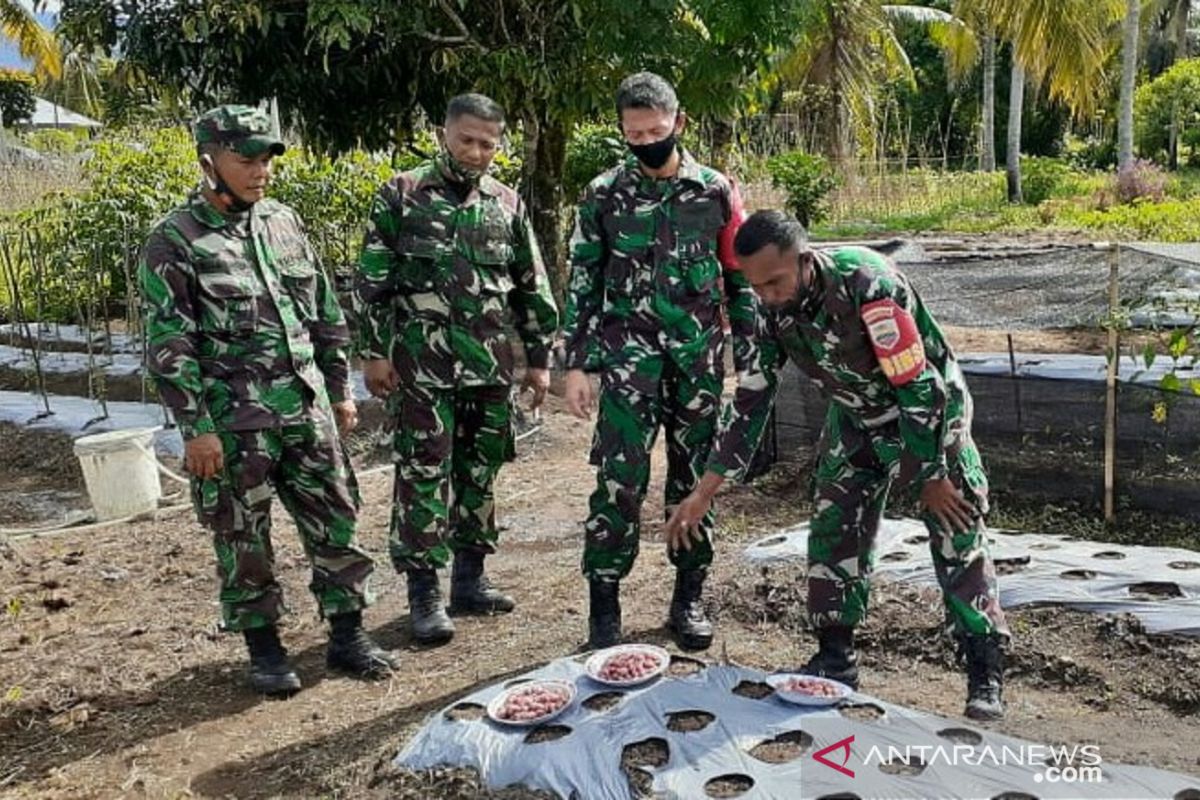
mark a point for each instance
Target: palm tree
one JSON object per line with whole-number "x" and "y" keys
{"x": 847, "y": 46}
{"x": 20, "y": 26}
{"x": 1061, "y": 44}
{"x": 80, "y": 85}
{"x": 1130, "y": 31}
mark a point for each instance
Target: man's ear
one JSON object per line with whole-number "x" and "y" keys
{"x": 681, "y": 121}
{"x": 208, "y": 168}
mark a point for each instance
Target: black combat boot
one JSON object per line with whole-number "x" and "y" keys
{"x": 984, "y": 657}
{"x": 604, "y": 615}
{"x": 470, "y": 590}
{"x": 835, "y": 658}
{"x": 352, "y": 651}
{"x": 270, "y": 672}
{"x": 688, "y": 621}
{"x": 430, "y": 624}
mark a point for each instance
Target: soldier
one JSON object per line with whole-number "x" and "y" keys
{"x": 651, "y": 251}
{"x": 449, "y": 253}
{"x": 248, "y": 348}
{"x": 899, "y": 413}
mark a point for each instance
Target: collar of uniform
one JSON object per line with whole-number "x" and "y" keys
{"x": 820, "y": 283}
{"x": 689, "y": 169}
{"x": 207, "y": 214}
{"x": 435, "y": 176}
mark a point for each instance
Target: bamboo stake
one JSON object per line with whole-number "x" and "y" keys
{"x": 1012, "y": 370}
{"x": 19, "y": 317}
{"x": 1110, "y": 410}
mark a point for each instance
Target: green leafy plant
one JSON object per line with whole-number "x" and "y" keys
{"x": 592, "y": 149}
{"x": 16, "y": 96}
{"x": 1042, "y": 178}
{"x": 807, "y": 179}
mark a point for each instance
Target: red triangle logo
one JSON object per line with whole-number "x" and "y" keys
{"x": 844, "y": 745}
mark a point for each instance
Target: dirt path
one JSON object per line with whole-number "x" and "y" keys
{"x": 115, "y": 683}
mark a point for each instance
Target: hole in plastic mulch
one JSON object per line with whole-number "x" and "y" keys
{"x": 465, "y": 712}
{"x": 728, "y": 786}
{"x": 689, "y": 721}
{"x": 546, "y": 733}
{"x": 783, "y": 748}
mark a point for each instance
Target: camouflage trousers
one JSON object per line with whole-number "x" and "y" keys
{"x": 852, "y": 479}
{"x": 304, "y": 466}
{"x": 448, "y": 448}
{"x": 634, "y": 401}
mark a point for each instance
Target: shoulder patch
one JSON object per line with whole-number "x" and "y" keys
{"x": 895, "y": 339}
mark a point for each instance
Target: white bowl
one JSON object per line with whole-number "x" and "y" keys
{"x": 598, "y": 659}
{"x": 497, "y": 702}
{"x": 802, "y": 699}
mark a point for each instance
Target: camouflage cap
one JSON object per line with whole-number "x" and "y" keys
{"x": 244, "y": 129}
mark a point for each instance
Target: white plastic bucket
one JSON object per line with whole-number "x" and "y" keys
{"x": 120, "y": 471}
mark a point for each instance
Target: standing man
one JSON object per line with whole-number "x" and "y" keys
{"x": 899, "y": 412}
{"x": 652, "y": 245}
{"x": 449, "y": 257}
{"x": 247, "y": 346}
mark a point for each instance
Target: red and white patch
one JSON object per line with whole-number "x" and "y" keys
{"x": 737, "y": 215}
{"x": 895, "y": 339}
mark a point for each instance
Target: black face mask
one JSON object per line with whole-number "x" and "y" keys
{"x": 655, "y": 154}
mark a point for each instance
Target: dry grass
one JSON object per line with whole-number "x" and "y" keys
{"x": 23, "y": 185}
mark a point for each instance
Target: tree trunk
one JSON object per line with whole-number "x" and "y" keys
{"x": 545, "y": 155}
{"x": 1173, "y": 141}
{"x": 722, "y": 143}
{"x": 1129, "y": 54}
{"x": 1016, "y": 102}
{"x": 987, "y": 148}
{"x": 1178, "y": 52}
{"x": 837, "y": 123}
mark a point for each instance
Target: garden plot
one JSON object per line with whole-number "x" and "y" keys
{"x": 69, "y": 338}
{"x": 719, "y": 731}
{"x": 1015, "y": 286}
{"x": 79, "y": 416}
{"x": 1071, "y": 367}
{"x": 1159, "y": 585}
{"x": 115, "y": 377}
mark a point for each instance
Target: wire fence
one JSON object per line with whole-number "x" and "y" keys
{"x": 1107, "y": 433}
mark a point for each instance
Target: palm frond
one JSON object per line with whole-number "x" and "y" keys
{"x": 20, "y": 26}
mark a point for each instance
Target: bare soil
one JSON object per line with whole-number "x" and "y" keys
{"x": 39, "y": 475}
{"x": 115, "y": 682}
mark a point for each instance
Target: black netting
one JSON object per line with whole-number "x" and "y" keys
{"x": 1043, "y": 438}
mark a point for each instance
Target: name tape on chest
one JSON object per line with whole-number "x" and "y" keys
{"x": 895, "y": 339}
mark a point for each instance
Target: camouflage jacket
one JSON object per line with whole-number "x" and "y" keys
{"x": 243, "y": 329}
{"x": 865, "y": 337}
{"x": 439, "y": 276}
{"x": 648, "y": 260}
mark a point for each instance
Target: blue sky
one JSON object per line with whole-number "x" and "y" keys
{"x": 9, "y": 57}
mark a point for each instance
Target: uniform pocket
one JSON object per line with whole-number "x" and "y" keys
{"x": 700, "y": 274}
{"x": 299, "y": 277}
{"x": 417, "y": 266}
{"x": 227, "y": 304}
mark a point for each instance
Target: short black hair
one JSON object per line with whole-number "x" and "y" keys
{"x": 475, "y": 105}
{"x": 646, "y": 90}
{"x": 769, "y": 227}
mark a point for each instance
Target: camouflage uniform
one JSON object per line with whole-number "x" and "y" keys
{"x": 648, "y": 260}
{"x": 246, "y": 340}
{"x": 900, "y": 413}
{"x": 438, "y": 276}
